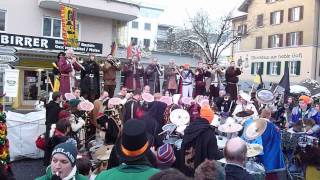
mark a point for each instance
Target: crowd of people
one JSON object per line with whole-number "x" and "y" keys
{"x": 200, "y": 127}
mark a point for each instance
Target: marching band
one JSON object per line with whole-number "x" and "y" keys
{"x": 267, "y": 128}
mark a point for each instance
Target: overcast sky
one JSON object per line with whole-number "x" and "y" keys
{"x": 176, "y": 11}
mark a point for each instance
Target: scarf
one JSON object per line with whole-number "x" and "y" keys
{"x": 72, "y": 175}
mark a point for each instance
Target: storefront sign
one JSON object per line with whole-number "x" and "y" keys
{"x": 5, "y": 58}
{"x": 11, "y": 77}
{"x": 7, "y": 50}
{"x": 47, "y": 43}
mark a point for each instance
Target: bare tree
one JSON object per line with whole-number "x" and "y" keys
{"x": 203, "y": 37}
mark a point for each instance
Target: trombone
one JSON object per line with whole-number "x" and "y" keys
{"x": 159, "y": 68}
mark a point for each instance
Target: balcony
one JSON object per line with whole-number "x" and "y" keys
{"x": 111, "y": 9}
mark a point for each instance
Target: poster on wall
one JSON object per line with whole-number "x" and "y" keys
{"x": 11, "y": 77}
{"x": 69, "y": 26}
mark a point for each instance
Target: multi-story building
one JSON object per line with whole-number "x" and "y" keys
{"x": 143, "y": 30}
{"x": 33, "y": 27}
{"x": 278, "y": 33}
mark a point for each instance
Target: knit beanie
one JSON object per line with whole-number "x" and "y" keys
{"x": 68, "y": 149}
{"x": 165, "y": 155}
{"x": 207, "y": 113}
{"x": 74, "y": 102}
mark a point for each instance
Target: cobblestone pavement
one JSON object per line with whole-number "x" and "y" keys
{"x": 28, "y": 169}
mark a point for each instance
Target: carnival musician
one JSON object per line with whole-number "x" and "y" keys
{"x": 133, "y": 71}
{"x": 215, "y": 83}
{"x": 187, "y": 76}
{"x": 67, "y": 66}
{"x": 199, "y": 80}
{"x": 109, "y": 69}
{"x": 132, "y": 108}
{"x": 90, "y": 79}
{"x": 225, "y": 106}
{"x": 245, "y": 104}
{"x": 305, "y": 111}
{"x": 232, "y": 79}
{"x": 99, "y": 108}
{"x": 170, "y": 78}
{"x": 152, "y": 74}
{"x": 77, "y": 121}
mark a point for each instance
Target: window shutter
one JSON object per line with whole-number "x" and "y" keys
{"x": 298, "y": 68}
{"x": 301, "y": 12}
{"x": 271, "y": 18}
{"x": 245, "y": 29}
{"x": 280, "y": 40}
{"x": 268, "y": 68}
{"x": 269, "y": 41}
{"x": 278, "y": 67}
{"x": 288, "y": 39}
{"x": 286, "y": 65}
{"x": 252, "y": 68}
{"x": 281, "y": 16}
{"x": 239, "y": 30}
{"x": 261, "y": 68}
{"x": 300, "y": 38}
{"x": 290, "y": 15}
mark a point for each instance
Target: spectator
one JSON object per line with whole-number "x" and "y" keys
{"x": 235, "y": 153}
{"x": 209, "y": 170}
{"x": 169, "y": 174}
{"x": 84, "y": 166}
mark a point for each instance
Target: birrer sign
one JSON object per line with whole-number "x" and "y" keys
{"x": 46, "y": 43}
{"x": 7, "y": 50}
{"x": 8, "y": 58}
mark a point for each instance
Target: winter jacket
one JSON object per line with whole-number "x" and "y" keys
{"x": 48, "y": 175}
{"x": 234, "y": 172}
{"x": 128, "y": 172}
{"x": 52, "y": 112}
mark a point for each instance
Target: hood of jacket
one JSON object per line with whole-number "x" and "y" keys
{"x": 195, "y": 128}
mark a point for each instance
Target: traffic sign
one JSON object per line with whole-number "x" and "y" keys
{"x": 7, "y": 50}
{"x": 5, "y": 58}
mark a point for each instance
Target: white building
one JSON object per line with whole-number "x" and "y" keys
{"x": 143, "y": 30}
{"x": 33, "y": 27}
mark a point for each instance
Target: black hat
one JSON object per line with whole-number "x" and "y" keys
{"x": 134, "y": 140}
{"x": 244, "y": 113}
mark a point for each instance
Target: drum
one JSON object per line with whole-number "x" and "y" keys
{"x": 221, "y": 141}
{"x": 171, "y": 140}
{"x": 290, "y": 140}
{"x": 265, "y": 96}
{"x": 308, "y": 141}
{"x": 256, "y": 170}
{"x": 178, "y": 144}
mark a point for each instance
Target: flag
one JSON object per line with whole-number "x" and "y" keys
{"x": 69, "y": 26}
{"x": 114, "y": 48}
{"x": 129, "y": 51}
{"x": 258, "y": 78}
{"x": 285, "y": 82}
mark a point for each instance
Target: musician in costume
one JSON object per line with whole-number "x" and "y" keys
{"x": 232, "y": 79}
{"x": 226, "y": 105}
{"x": 170, "y": 76}
{"x": 109, "y": 69}
{"x": 56, "y": 73}
{"x": 175, "y": 105}
{"x": 245, "y": 104}
{"x": 199, "y": 142}
{"x": 133, "y": 71}
{"x": 152, "y": 73}
{"x": 199, "y": 80}
{"x": 90, "y": 79}
{"x": 187, "y": 77}
{"x": 132, "y": 108}
{"x": 99, "y": 108}
{"x": 67, "y": 66}
{"x": 215, "y": 80}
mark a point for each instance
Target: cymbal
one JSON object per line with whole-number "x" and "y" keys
{"x": 114, "y": 101}
{"x": 179, "y": 117}
{"x": 147, "y": 97}
{"x": 256, "y": 128}
{"x": 230, "y": 127}
{"x": 254, "y": 150}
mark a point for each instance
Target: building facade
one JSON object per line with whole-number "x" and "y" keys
{"x": 143, "y": 30}
{"x": 275, "y": 34}
{"x": 34, "y": 28}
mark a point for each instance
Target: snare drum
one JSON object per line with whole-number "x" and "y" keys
{"x": 290, "y": 140}
{"x": 178, "y": 144}
{"x": 308, "y": 141}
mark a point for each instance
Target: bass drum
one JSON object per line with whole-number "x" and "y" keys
{"x": 265, "y": 96}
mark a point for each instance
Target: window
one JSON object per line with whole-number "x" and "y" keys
{"x": 294, "y": 67}
{"x": 259, "y": 42}
{"x": 271, "y": 1}
{"x": 146, "y": 43}
{"x": 260, "y": 20}
{"x": 276, "y": 17}
{"x": 2, "y": 20}
{"x": 275, "y": 41}
{"x": 242, "y": 29}
{"x": 237, "y": 45}
{"x": 256, "y": 67}
{"x": 147, "y": 26}
{"x": 273, "y": 68}
{"x": 135, "y": 25}
{"x": 295, "y": 14}
{"x": 294, "y": 38}
{"x": 134, "y": 40}
{"x": 51, "y": 27}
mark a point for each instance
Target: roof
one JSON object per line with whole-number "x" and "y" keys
{"x": 244, "y": 6}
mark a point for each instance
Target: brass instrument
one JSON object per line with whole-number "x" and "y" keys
{"x": 114, "y": 62}
{"x": 160, "y": 69}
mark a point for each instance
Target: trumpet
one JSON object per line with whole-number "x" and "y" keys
{"x": 115, "y": 62}
{"x": 159, "y": 68}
